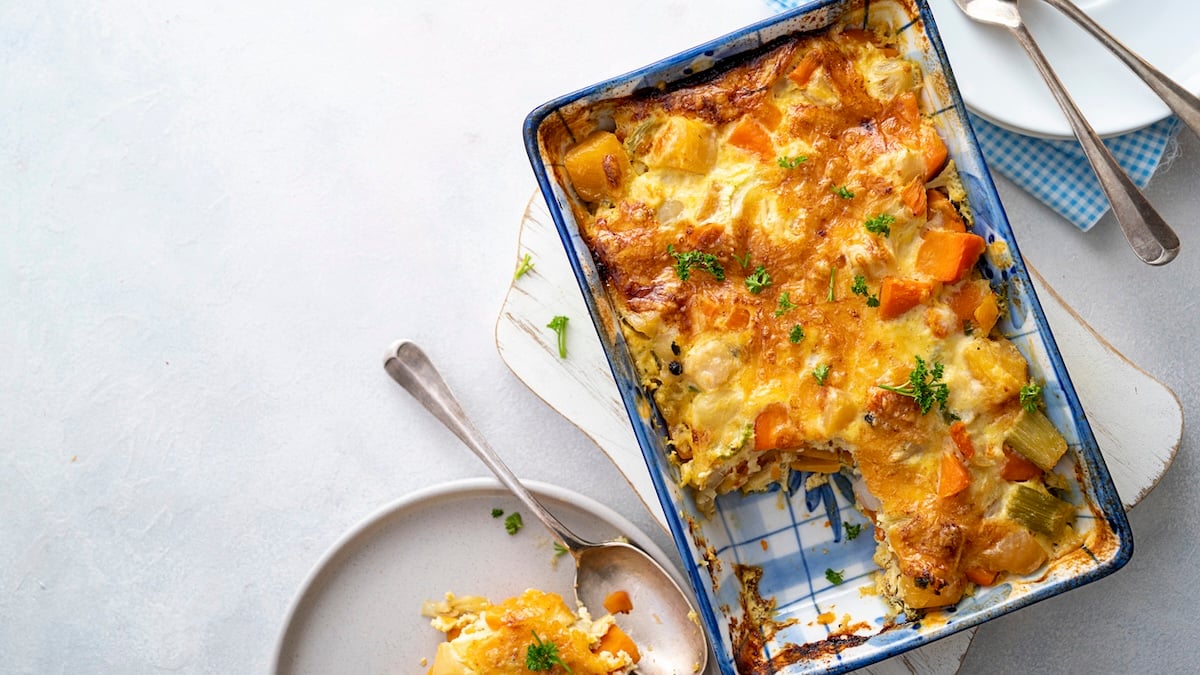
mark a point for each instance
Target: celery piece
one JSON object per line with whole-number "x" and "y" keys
{"x": 1035, "y": 437}
{"x": 1037, "y": 511}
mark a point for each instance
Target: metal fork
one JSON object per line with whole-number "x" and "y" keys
{"x": 1152, "y": 239}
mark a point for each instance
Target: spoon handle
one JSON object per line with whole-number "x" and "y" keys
{"x": 1151, "y": 238}
{"x": 411, "y": 368}
{"x": 1182, "y": 102}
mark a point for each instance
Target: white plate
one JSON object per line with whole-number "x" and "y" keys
{"x": 359, "y": 609}
{"x": 999, "y": 82}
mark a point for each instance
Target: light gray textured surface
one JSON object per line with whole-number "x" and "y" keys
{"x": 215, "y": 218}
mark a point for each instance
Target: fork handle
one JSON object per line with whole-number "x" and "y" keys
{"x": 1152, "y": 239}
{"x": 1182, "y": 102}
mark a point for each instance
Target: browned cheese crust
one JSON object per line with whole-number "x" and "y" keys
{"x": 784, "y": 238}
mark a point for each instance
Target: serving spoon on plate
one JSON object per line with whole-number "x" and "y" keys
{"x": 663, "y": 619}
{"x": 1150, "y": 237}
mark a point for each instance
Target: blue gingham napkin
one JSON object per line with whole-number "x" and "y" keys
{"x": 1056, "y": 172}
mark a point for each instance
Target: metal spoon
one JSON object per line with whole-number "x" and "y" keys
{"x": 663, "y": 620}
{"x": 1182, "y": 102}
{"x": 1151, "y": 238}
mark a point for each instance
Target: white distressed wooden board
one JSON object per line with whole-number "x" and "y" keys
{"x": 1138, "y": 421}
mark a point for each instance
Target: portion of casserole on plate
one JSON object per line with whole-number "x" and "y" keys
{"x": 533, "y": 631}
{"x": 792, "y": 262}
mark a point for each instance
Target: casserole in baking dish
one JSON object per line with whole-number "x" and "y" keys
{"x": 807, "y": 288}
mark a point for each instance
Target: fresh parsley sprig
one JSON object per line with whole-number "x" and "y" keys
{"x": 543, "y": 655}
{"x": 842, "y": 191}
{"x": 686, "y": 260}
{"x": 758, "y": 280}
{"x": 796, "y": 334}
{"x": 785, "y": 303}
{"x": 925, "y": 386}
{"x": 880, "y": 224}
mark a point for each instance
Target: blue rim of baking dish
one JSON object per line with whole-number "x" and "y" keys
{"x": 983, "y": 198}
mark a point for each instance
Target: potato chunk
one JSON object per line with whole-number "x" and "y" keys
{"x": 999, "y": 367}
{"x": 598, "y": 167}
{"x": 683, "y": 143}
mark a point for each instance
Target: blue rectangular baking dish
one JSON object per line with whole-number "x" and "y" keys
{"x": 787, "y": 535}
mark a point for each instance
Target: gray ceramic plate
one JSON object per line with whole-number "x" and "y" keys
{"x": 359, "y": 609}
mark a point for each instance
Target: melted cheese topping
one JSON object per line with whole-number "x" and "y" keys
{"x": 775, "y": 255}
{"x": 486, "y": 639}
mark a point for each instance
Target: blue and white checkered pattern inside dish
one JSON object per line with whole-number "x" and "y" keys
{"x": 796, "y": 536}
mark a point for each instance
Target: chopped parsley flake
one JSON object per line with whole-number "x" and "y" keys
{"x": 834, "y": 576}
{"x": 796, "y": 334}
{"x": 758, "y": 280}
{"x": 524, "y": 266}
{"x": 1031, "y": 394}
{"x": 821, "y": 372}
{"x": 559, "y": 325}
{"x": 513, "y": 523}
{"x": 852, "y": 530}
{"x": 842, "y": 191}
{"x": 684, "y": 262}
{"x": 496, "y": 513}
{"x": 860, "y": 288}
{"x": 785, "y": 303}
{"x": 880, "y": 224}
{"x": 791, "y": 162}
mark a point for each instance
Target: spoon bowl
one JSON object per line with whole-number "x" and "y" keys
{"x": 618, "y": 565}
{"x": 663, "y": 621}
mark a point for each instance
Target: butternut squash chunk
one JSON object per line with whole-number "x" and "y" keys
{"x": 947, "y": 256}
{"x": 598, "y": 167}
{"x": 750, "y": 136}
{"x": 897, "y": 296}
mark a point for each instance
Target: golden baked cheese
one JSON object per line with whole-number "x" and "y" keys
{"x": 790, "y": 257}
{"x": 524, "y": 632}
